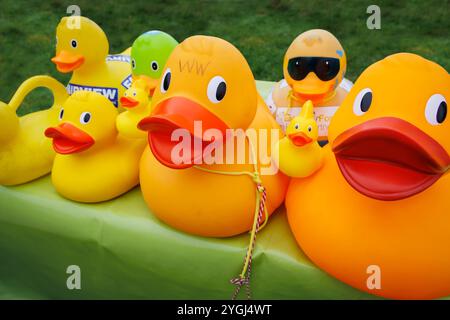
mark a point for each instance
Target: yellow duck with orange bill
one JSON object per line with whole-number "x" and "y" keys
{"x": 299, "y": 154}
{"x": 25, "y": 154}
{"x": 189, "y": 173}
{"x": 137, "y": 105}
{"x": 93, "y": 163}
{"x": 82, "y": 48}
{"x": 377, "y": 214}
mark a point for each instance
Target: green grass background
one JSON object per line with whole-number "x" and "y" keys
{"x": 261, "y": 29}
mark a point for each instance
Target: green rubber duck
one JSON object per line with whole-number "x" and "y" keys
{"x": 149, "y": 54}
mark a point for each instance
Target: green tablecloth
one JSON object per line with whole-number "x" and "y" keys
{"x": 125, "y": 252}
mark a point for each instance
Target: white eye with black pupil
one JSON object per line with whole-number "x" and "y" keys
{"x": 217, "y": 88}
{"x": 154, "y": 65}
{"x": 362, "y": 102}
{"x": 73, "y": 43}
{"x": 61, "y": 114}
{"x": 436, "y": 109}
{"x": 165, "y": 83}
{"x": 85, "y": 117}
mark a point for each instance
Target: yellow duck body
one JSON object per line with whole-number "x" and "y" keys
{"x": 137, "y": 104}
{"x": 299, "y": 155}
{"x": 25, "y": 154}
{"x": 84, "y": 51}
{"x": 216, "y": 202}
{"x": 93, "y": 163}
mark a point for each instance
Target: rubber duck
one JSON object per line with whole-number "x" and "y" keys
{"x": 376, "y": 216}
{"x": 314, "y": 67}
{"x": 149, "y": 54}
{"x": 202, "y": 85}
{"x": 83, "y": 50}
{"x": 25, "y": 154}
{"x": 93, "y": 163}
{"x": 137, "y": 104}
{"x": 299, "y": 154}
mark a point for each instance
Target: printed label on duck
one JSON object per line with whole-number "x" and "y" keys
{"x": 126, "y": 83}
{"x": 111, "y": 93}
{"x": 119, "y": 57}
{"x": 322, "y": 116}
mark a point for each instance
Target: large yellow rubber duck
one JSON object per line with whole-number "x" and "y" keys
{"x": 93, "y": 163}
{"x": 314, "y": 67}
{"x": 25, "y": 154}
{"x": 377, "y": 215}
{"x": 82, "y": 48}
{"x": 207, "y": 87}
{"x": 137, "y": 104}
{"x": 299, "y": 154}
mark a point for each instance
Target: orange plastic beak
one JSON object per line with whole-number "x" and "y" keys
{"x": 67, "y": 62}
{"x": 300, "y": 139}
{"x": 69, "y": 139}
{"x": 128, "y": 102}
{"x": 179, "y": 113}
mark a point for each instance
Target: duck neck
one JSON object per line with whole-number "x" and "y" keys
{"x": 87, "y": 70}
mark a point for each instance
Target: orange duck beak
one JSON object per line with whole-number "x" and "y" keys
{"x": 67, "y": 62}
{"x": 389, "y": 158}
{"x": 179, "y": 113}
{"x": 68, "y": 139}
{"x": 128, "y": 102}
{"x": 299, "y": 139}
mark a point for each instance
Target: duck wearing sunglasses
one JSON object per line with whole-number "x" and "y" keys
{"x": 314, "y": 68}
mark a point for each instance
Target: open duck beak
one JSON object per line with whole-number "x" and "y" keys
{"x": 128, "y": 102}
{"x": 68, "y": 139}
{"x": 299, "y": 139}
{"x": 179, "y": 113}
{"x": 389, "y": 158}
{"x": 67, "y": 62}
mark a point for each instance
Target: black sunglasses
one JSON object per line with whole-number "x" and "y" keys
{"x": 325, "y": 68}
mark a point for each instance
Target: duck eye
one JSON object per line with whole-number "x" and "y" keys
{"x": 362, "y": 102}
{"x": 436, "y": 109}
{"x": 134, "y": 94}
{"x": 61, "y": 114}
{"x": 296, "y": 126}
{"x": 85, "y": 117}
{"x": 309, "y": 128}
{"x": 165, "y": 83}
{"x": 217, "y": 88}
{"x": 74, "y": 43}
{"x": 133, "y": 63}
{"x": 154, "y": 65}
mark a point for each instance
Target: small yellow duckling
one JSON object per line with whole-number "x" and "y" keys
{"x": 93, "y": 163}
{"x": 299, "y": 154}
{"x": 137, "y": 103}
{"x": 25, "y": 154}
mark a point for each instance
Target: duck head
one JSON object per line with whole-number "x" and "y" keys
{"x": 149, "y": 55}
{"x": 391, "y": 136}
{"x": 79, "y": 47}
{"x": 136, "y": 97}
{"x": 303, "y": 130}
{"x": 87, "y": 121}
{"x": 9, "y": 123}
{"x": 314, "y": 65}
{"x": 206, "y": 81}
